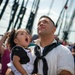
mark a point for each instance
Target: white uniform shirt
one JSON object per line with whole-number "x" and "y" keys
{"x": 58, "y": 59}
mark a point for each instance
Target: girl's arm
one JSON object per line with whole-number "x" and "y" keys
{"x": 2, "y": 49}
{"x": 18, "y": 66}
{"x": 9, "y": 72}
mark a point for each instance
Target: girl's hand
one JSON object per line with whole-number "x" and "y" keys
{"x": 7, "y": 34}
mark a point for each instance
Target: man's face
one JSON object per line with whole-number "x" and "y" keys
{"x": 45, "y": 26}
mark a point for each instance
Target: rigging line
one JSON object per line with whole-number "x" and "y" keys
{"x": 71, "y": 21}
{"x": 4, "y": 8}
{"x": 21, "y": 11}
{"x": 21, "y": 18}
{"x": 67, "y": 31}
{"x": 18, "y": 16}
{"x": 26, "y": 3}
{"x": 1, "y": 2}
{"x": 13, "y": 13}
{"x": 50, "y": 7}
{"x": 61, "y": 13}
{"x": 61, "y": 22}
{"x": 36, "y": 6}
{"x": 32, "y": 16}
{"x": 22, "y": 14}
{"x": 69, "y": 9}
{"x": 59, "y": 18}
{"x": 67, "y": 28}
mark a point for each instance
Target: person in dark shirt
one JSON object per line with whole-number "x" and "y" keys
{"x": 5, "y": 52}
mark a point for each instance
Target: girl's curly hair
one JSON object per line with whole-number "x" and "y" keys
{"x": 11, "y": 38}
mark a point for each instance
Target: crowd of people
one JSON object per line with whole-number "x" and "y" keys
{"x": 43, "y": 54}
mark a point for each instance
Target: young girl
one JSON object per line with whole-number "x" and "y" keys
{"x": 21, "y": 58}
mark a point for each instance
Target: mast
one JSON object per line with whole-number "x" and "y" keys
{"x": 13, "y": 13}
{"x": 1, "y": 2}
{"x": 67, "y": 31}
{"x": 4, "y": 7}
{"x": 59, "y": 22}
{"x": 21, "y": 14}
{"x": 50, "y": 7}
{"x": 68, "y": 23}
{"x": 32, "y": 15}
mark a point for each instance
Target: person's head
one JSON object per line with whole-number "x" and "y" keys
{"x": 73, "y": 49}
{"x": 34, "y": 37}
{"x": 19, "y": 37}
{"x": 46, "y": 26}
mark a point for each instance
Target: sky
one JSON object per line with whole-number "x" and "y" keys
{"x": 44, "y": 7}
